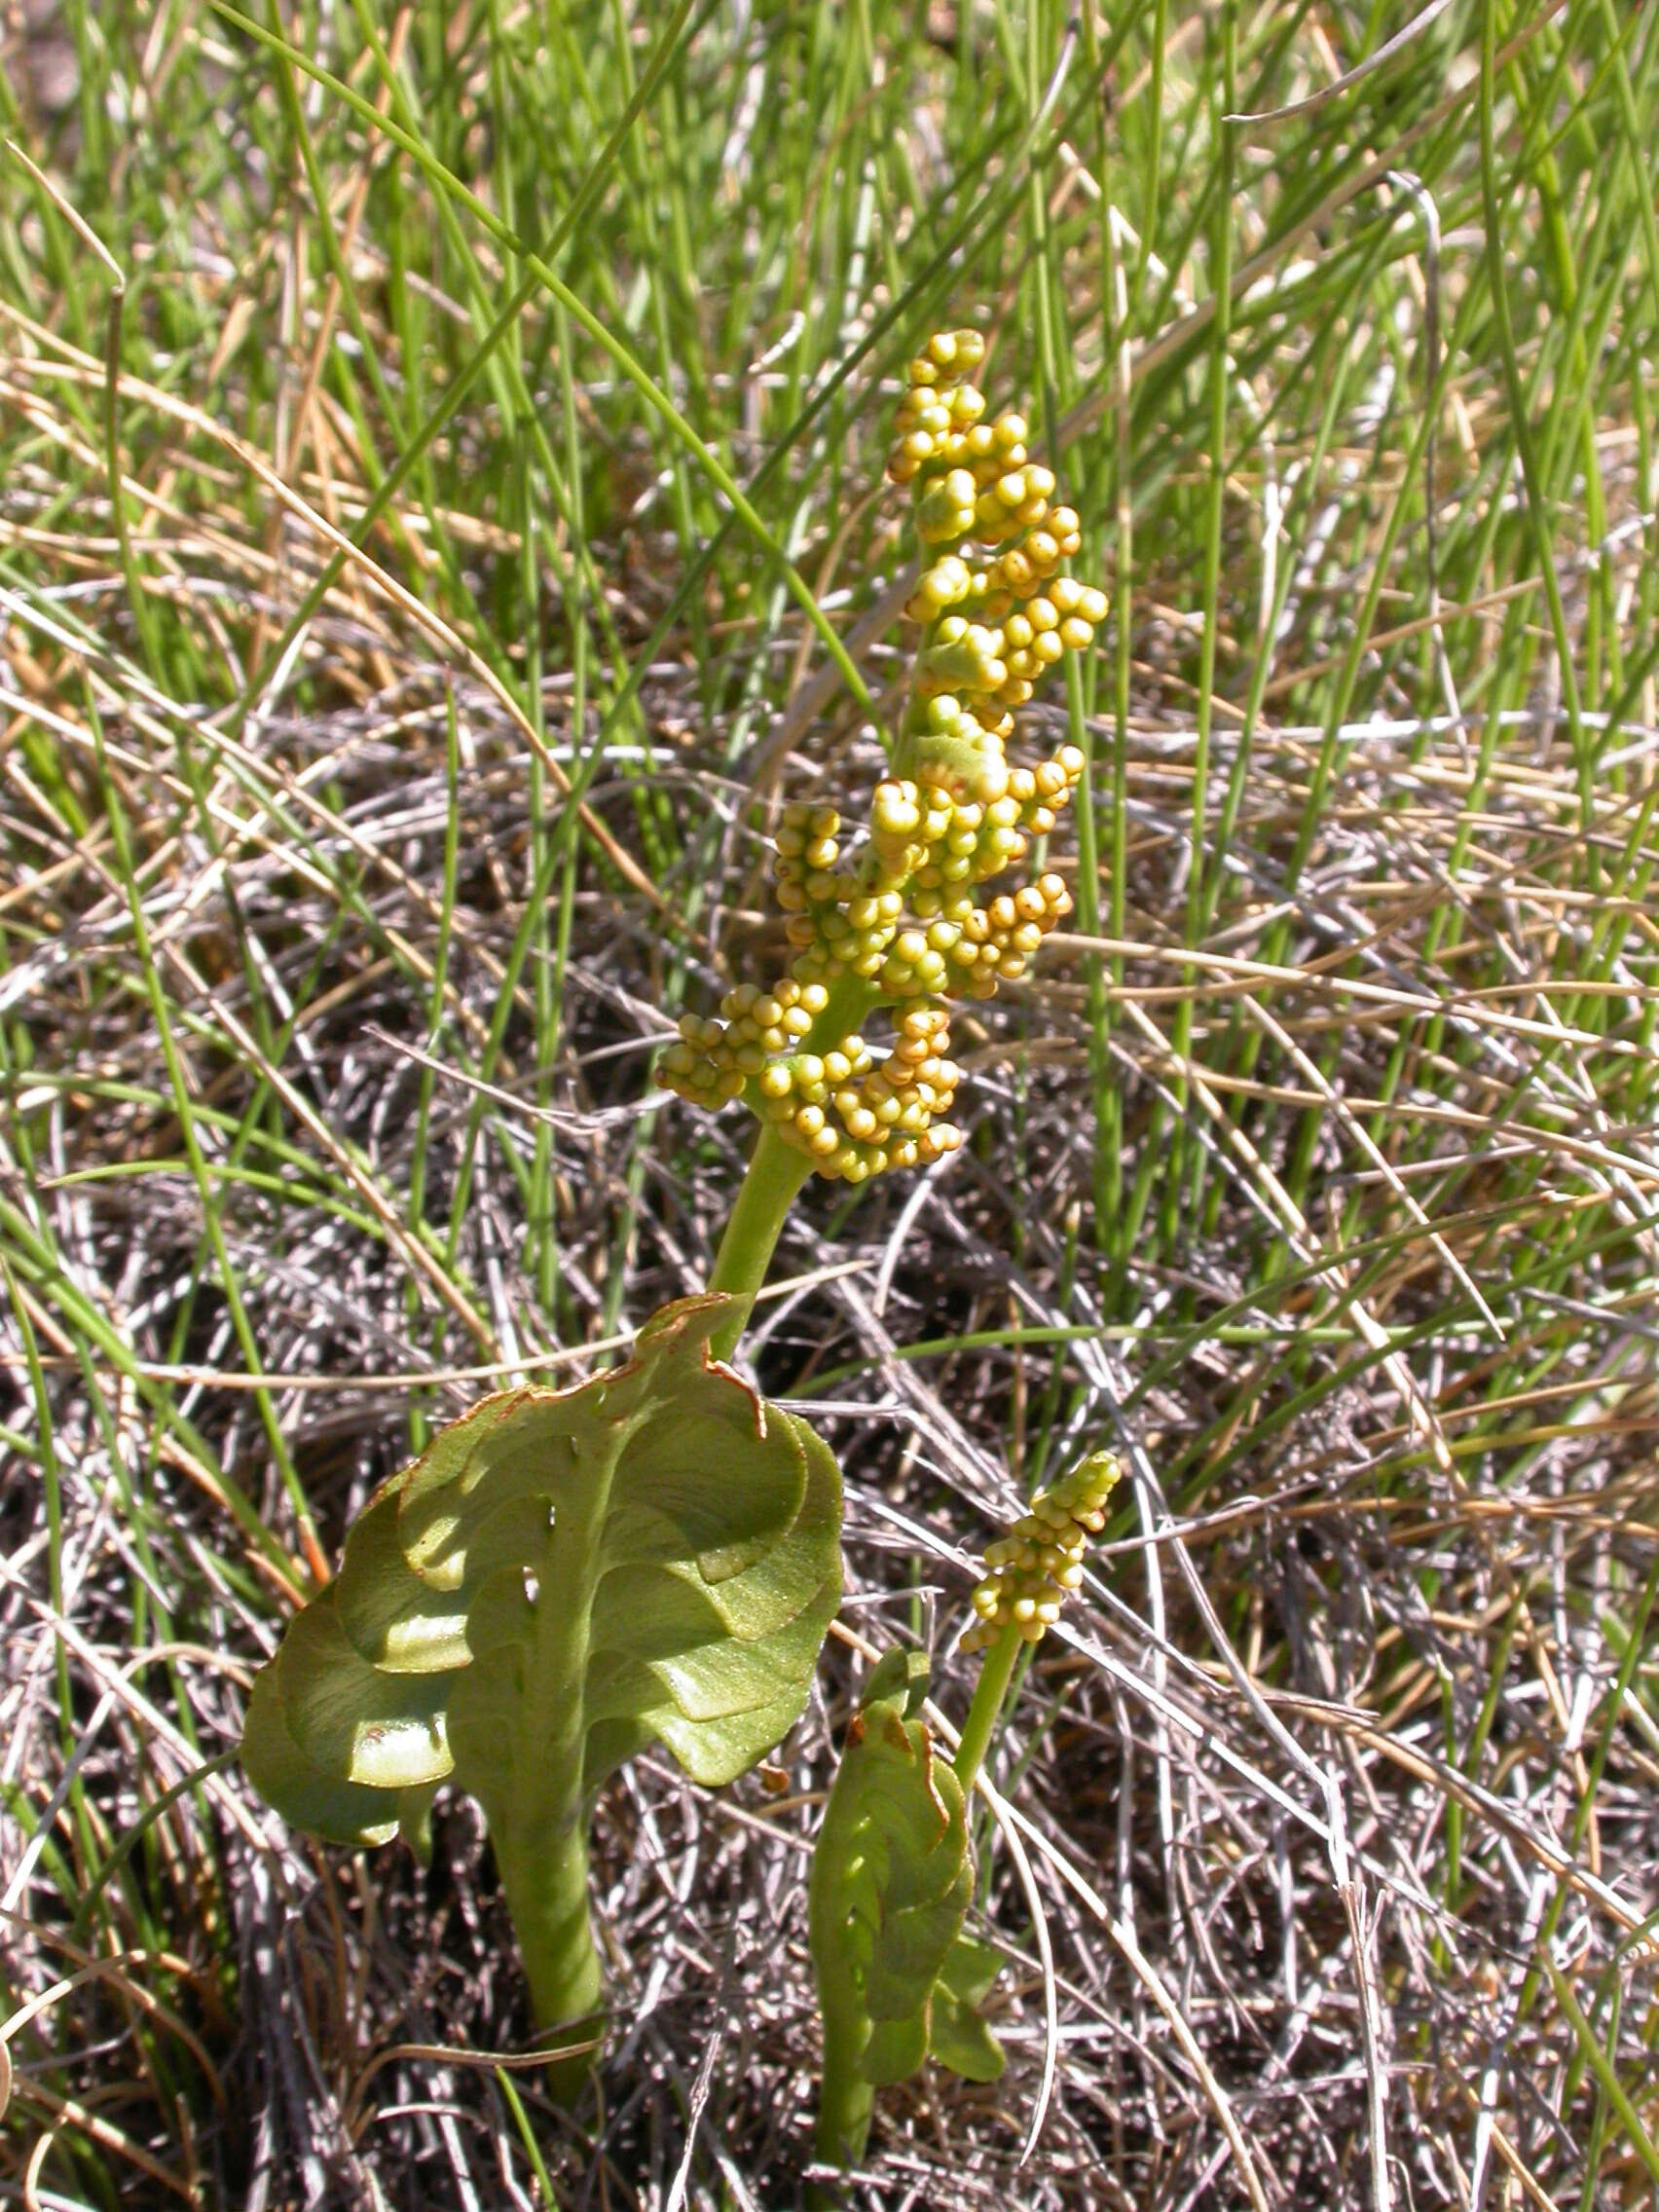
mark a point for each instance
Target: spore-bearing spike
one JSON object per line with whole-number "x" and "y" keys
{"x": 901, "y": 914}
{"x": 1031, "y": 1573}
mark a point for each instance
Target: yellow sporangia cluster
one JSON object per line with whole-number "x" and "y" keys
{"x": 902, "y": 925}
{"x": 1029, "y": 1571}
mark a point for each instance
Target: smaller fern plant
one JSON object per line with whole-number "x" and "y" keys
{"x": 899, "y": 1980}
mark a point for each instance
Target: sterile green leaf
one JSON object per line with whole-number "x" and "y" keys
{"x": 891, "y": 1880}
{"x": 563, "y": 1577}
{"x": 957, "y": 2036}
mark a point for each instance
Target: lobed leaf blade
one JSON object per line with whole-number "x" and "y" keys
{"x": 562, "y": 1579}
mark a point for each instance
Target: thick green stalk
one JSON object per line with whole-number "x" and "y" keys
{"x": 541, "y": 1848}
{"x": 547, "y": 1897}
{"x": 996, "y": 1672}
{"x": 776, "y": 1173}
{"x": 846, "y": 2102}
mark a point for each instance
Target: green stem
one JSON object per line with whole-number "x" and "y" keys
{"x": 547, "y": 1897}
{"x": 845, "y": 2104}
{"x": 776, "y": 1173}
{"x": 996, "y": 1671}
{"x": 539, "y": 1828}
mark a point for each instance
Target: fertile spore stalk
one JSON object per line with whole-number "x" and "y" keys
{"x": 893, "y": 931}
{"x": 1029, "y": 1574}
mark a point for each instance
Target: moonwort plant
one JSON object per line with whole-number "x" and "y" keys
{"x": 564, "y": 1577}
